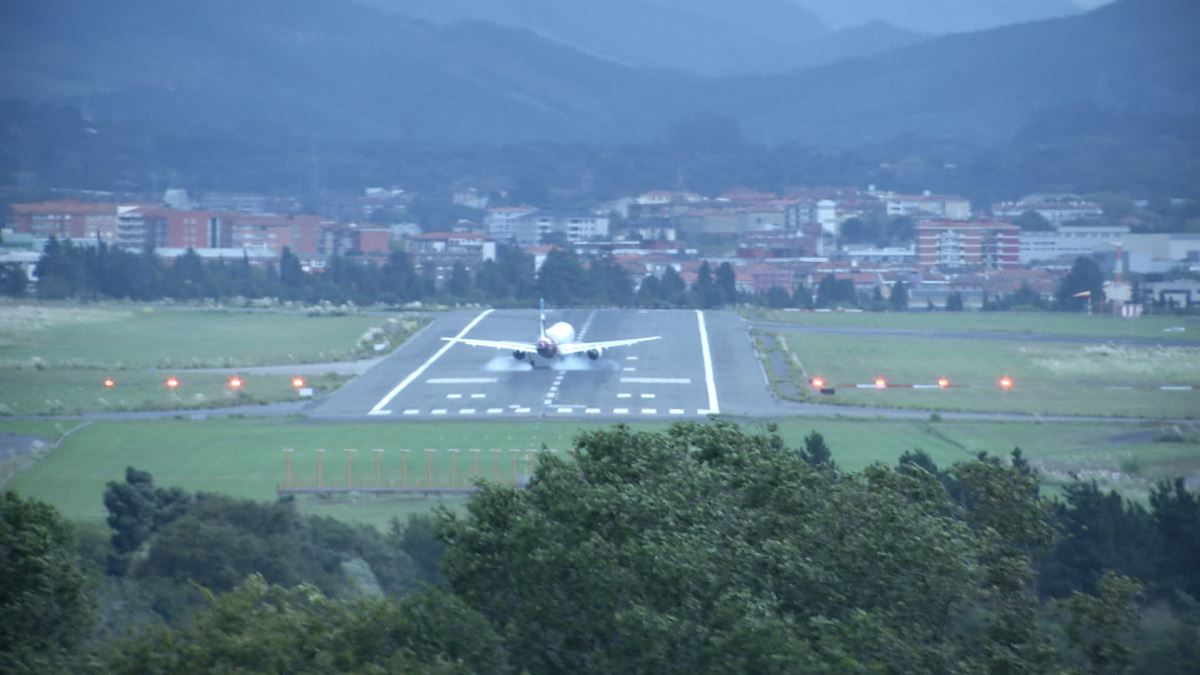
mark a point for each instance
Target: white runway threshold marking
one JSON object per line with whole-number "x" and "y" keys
{"x": 713, "y": 408}
{"x": 656, "y": 380}
{"x": 383, "y": 402}
{"x": 462, "y": 380}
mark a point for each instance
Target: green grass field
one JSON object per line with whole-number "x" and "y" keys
{"x": 245, "y": 457}
{"x": 1049, "y": 378}
{"x": 1042, "y": 323}
{"x": 53, "y": 357}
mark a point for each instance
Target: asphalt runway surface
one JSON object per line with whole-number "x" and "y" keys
{"x": 704, "y": 364}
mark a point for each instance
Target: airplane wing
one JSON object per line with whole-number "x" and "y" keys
{"x": 497, "y": 344}
{"x": 577, "y": 347}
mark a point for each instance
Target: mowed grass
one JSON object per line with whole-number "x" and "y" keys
{"x": 1041, "y": 323}
{"x": 1050, "y": 378}
{"x": 68, "y": 392}
{"x": 117, "y": 337}
{"x": 54, "y": 357}
{"x": 246, "y": 458}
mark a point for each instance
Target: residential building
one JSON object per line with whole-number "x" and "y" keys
{"x": 435, "y": 253}
{"x": 66, "y": 219}
{"x": 503, "y": 223}
{"x": 532, "y": 228}
{"x": 966, "y": 245}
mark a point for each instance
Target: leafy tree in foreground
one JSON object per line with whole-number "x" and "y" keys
{"x": 706, "y": 549}
{"x": 1085, "y": 277}
{"x": 45, "y": 606}
{"x": 268, "y": 629}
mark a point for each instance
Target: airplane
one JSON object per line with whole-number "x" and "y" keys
{"x": 556, "y": 341}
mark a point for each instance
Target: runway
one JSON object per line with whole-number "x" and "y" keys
{"x": 703, "y": 365}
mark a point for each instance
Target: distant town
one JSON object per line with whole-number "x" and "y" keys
{"x": 941, "y": 249}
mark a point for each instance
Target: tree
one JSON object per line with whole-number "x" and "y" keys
{"x": 136, "y": 509}
{"x": 260, "y": 627}
{"x": 705, "y": 289}
{"x": 815, "y": 451}
{"x": 561, "y": 279}
{"x": 1085, "y": 277}
{"x": 46, "y": 608}
{"x": 706, "y": 549}
{"x": 418, "y": 538}
{"x": 1102, "y": 626}
{"x": 459, "y": 284}
{"x": 674, "y": 290}
{"x": 291, "y": 275}
{"x": 954, "y": 302}
{"x": 726, "y": 284}
{"x": 1177, "y": 517}
{"x": 1032, "y": 221}
{"x": 899, "y": 297}
{"x": 13, "y": 280}
{"x": 777, "y": 298}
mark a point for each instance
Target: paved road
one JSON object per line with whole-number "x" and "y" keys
{"x": 1004, "y": 336}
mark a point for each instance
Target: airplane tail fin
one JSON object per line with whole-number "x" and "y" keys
{"x": 542, "y": 316}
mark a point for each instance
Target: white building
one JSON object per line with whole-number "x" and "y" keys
{"x": 944, "y": 206}
{"x": 1057, "y": 209}
{"x": 1071, "y": 240}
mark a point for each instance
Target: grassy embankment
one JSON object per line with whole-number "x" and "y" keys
{"x": 245, "y": 458}
{"x": 54, "y": 357}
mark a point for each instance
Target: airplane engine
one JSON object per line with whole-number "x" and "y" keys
{"x": 593, "y": 354}
{"x": 519, "y": 355}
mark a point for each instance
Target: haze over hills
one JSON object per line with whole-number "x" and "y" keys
{"x": 713, "y": 37}
{"x": 943, "y": 16}
{"x": 337, "y": 70}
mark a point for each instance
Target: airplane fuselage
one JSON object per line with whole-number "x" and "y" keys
{"x": 560, "y": 333}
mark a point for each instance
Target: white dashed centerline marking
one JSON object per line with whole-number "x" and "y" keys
{"x": 676, "y": 411}
{"x": 438, "y": 411}
{"x": 411, "y": 411}
{"x": 647, "y": 395}
{"x": 495, "y": 411}
{"x": 467, "y": 411}
{"x": 624, "y": 395}
{"x": 478, "y": 395}
{"x": 453, "y": 395}
{"x": 592, "y": 411}
{"x": 620, "y": 411}
{"x": 649, "y": 411}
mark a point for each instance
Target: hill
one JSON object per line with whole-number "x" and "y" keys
{"x": 318, "y": 71}
{"x": 1132, "y": 57}
{"x": 318, "y": 67}
{"x": 714, "y": 37}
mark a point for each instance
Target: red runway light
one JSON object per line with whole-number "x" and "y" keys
{"x": 172, "y": 383}
{"x": 298, "y": 382}
{"x": 109, "y": 383}
{"x": 880, "y": 383}
{"x": 944, "y": 382}
{"x": 1006, "y": 382}
{"x": 235, "y": 382}
{"x": 818, "y": 382}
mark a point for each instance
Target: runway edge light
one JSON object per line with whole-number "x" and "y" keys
{"x": 1006, "y": 382}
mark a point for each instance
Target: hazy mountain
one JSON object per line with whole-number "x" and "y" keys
{"x": 1135, "y": 57}
{"x": 336, "y": 70}
{"x": 939, "y": 16}
{"x": 331, "y": 69}
{"x": 713, "y": 37}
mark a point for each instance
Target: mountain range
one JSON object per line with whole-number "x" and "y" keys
{"x": 329, "y": 70}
